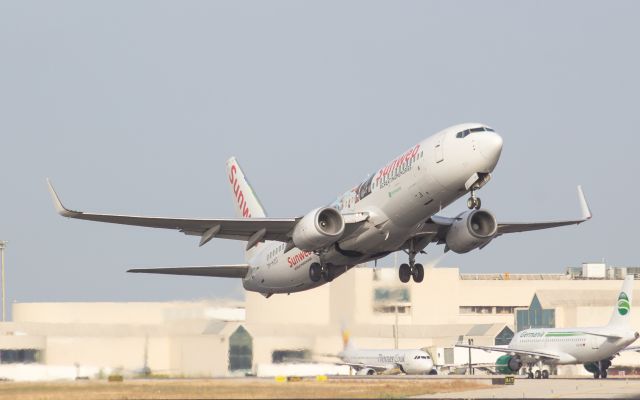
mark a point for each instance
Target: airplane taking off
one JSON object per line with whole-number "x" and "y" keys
{"x": 385, "y": 361}
{"x": 593, "y": 347}
{"x": 394, "y": 209}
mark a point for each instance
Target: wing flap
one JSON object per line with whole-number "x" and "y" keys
{"x": 219, "y": 271}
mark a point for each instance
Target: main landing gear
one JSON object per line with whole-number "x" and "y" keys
{"x": 539, "y": 373}
{"x": 473, "y": 201}
{"x": 407, "y": 271}
{"x": 319, "y": 271}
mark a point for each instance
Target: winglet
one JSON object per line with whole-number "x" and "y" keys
{"x": 584, "y": 206}
{"x": 60, "y": 209}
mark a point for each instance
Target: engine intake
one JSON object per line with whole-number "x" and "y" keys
{"x": 508, "y": 364}
{"x": 318, "y": 229}
{"x": 471, "y": 230}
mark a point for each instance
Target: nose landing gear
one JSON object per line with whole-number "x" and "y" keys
{"x": 473, "y": 201}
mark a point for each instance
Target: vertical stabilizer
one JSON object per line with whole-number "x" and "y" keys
{"x": 245, "y": 201}
{"x": 346, "y": 340}
{"x": 622, "y": 311}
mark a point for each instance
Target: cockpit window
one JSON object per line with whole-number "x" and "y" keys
{"x": 462, "y": 134}
{"x": 465, "y": 133}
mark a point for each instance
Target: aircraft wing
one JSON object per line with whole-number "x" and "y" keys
{"x": 604, "y": 335}
{"x": 513, "y": 227}
{"x": 631, "y": 348}
{"x": 221, "y": 271}
{"x": 377, "y": 368}
{"x": 529, "y": 353}
{"x": 252, "y": 230}
{"x": 438, "y": 226}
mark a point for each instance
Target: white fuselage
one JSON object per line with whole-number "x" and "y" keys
{"x": 573, "y": 345}
{"x": 412, "y": 362}
{"x": 398, "y": 198}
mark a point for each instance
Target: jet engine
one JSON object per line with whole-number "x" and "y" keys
{"x": 471, "y": 230}
{"x": 366, "y": 371}
{"x": 508, "y": 364}
{"x": 318, "y": 229}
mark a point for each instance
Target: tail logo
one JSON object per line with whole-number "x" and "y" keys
{"x": 238, "y": 194}
{"x": 623, "y": 304}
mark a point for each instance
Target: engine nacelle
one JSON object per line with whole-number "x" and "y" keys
{"x": 318, "y": 229}
{"x": 471, "y": 230}
{"x": 594, "y": 367}
{"x": 508, "y": 364}
{"x": 366, "y": 371}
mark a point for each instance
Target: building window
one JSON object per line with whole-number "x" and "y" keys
{"x": 535, "y": 316}
{"x": 21, "y": 356}
{"x": 475, "y": 309}
{"x": 389, "y": 300}
{"x": 391, "y": 294}
{"x": 240, "y": 350}
{"x": 391, "y": 309}
{"x": 504, "y": 337}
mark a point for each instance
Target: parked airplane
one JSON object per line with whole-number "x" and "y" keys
{"x": 593, "y": 347}
{"x": 385, "y": 361}
{"x": 395, "y": 209}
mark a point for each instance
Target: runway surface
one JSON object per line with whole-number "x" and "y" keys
{"x": 555, "y": 388}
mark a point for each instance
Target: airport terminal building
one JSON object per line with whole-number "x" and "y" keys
{"x": 259, "y": 335}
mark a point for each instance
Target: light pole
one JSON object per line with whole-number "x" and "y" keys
{"x": 3, "y": 245}
{"x": 470, "y": 365}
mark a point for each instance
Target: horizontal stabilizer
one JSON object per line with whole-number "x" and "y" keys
{"x": 220, "y": 271}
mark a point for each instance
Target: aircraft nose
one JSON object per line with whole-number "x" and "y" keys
{"x": 491, "y": 146}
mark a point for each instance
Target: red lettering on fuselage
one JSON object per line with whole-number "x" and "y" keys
{"x": 237, "y": 192}
{"x": 386, "y": 170}
{"x": 298, "y": 258}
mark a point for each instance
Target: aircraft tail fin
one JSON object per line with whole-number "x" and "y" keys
{"x": 347, "y": 344}
{"x": 245, "y": 201}
{"x": 622, "y": 310}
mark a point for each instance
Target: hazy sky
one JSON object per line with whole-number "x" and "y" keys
{"x": 133, "y": 107}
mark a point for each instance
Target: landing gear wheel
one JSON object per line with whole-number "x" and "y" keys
{"x": 418, "y": 273}
{"x": 530, "y": 375}
{"x": 315, "y": 272}
{"x": 603, "y": 374}
{"x": 545, "y": 374}
{"x": 596, "y": 375}
{"x": 327, "y": 274}
{"x": 405, "y": 273}
{"x": 538, "y": 374}
{"x": 471, "y": 203}
{"x": 474, "y": 202}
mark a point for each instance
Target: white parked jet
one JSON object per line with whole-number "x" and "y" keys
{"x": 593, "y": 347}
{"x": 385, "y": 361}
{"x": 395, "y": 209}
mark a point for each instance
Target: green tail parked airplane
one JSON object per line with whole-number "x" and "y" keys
{"x": 593, "y": 347}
